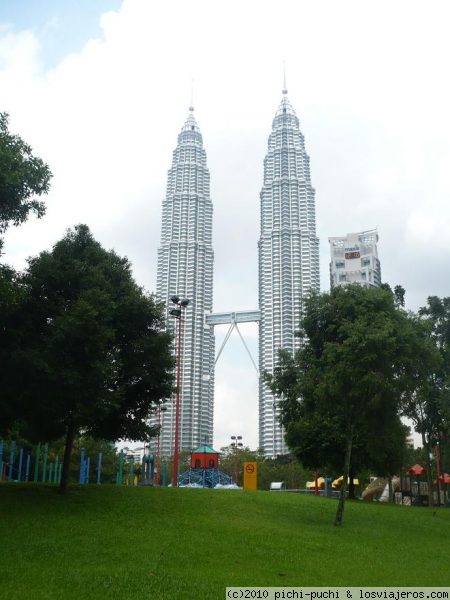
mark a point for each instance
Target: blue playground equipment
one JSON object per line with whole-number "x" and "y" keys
{"x": 204, "y": 477}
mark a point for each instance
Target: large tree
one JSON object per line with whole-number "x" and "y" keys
{"x": 93, "y": 356}
{"x": 356, "y": 361}
{"x": 429, "y": 404}
{"x": 23, "y": 177}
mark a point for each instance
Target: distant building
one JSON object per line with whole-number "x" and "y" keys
{"x": 354, "y": 259}
{"x": 185, "y": 269}
{"x": 136, "y": 454}
{"x": 288, "y": 258}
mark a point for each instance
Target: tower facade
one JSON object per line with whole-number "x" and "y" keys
{"x": 185, "y": 269}
{"x": 288, "y": 251}
{"x": 354, "y": 259}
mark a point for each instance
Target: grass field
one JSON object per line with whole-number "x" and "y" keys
{"x": 143, "y": 543}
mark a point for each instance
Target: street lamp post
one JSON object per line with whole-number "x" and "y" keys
{"x": 178, "y": 314}
{"x": 237, "y": 444}
{"x": 158, "y": 447}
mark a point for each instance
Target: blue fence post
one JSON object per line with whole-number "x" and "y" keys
{"x": 88, "y": 468}
{"x": 82, "y": 467}
{"x": 19, "y": 475}
{"x": 44, "y": 465}
{"x": 164, "y": 475}
{"x": 1, "y": 459}
{"x": 50, "y": 473}
{"x": 119, "y": 478}
{"x": 11, "y": 460}
{"x": 27, "y": 467}
{"x": 36, "y": 462}
{"x": 99, "y": 468}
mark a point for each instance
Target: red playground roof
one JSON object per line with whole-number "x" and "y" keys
{"x": 417, "y": 470}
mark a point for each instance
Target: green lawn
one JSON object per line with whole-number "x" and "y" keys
{"x": 143, "y": 543}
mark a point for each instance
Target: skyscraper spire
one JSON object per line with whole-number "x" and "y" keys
{"x": 191, "y": 105}
{"x": 185, "y": 269}
{"x": 288, "y": 252}
{"x": 284, "y": 78}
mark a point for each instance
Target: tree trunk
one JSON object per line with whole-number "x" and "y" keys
{"x": 428, "y": 465}
{"x": 348, "y": 454}
{"x": 351, "y": 485}
{"x": 67, "y": 456}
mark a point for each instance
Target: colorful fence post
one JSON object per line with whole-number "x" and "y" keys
{"x": 82, "y": 467}
{"x": 55, "y": 474}
{"x": 88, "y": 468}
{"x": 36, "y": 462}
{"x": 50, "y": 473}
{"x": 132, "y": 471}
{"x": 11, "y": 459}
{"x": 44, "y": 465}
{"x": 27, "y": 467}
{"x": 99, "y": 468}
{"x": 164, "y": 475}
{"x": 19, "y": 468}
{"x": 119, "y": 478}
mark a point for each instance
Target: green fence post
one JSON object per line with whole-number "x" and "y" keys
{"x": 55, "y": 474}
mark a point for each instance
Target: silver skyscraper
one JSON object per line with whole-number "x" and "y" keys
{"x": 288, "y": 257}
{"x": 185, "y": 269}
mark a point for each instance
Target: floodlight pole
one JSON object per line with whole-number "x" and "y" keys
{"x": 178, "y": 314}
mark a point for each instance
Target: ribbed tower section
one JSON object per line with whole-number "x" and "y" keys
{"x": 185, "y": 269}
{"x": 288, "y": 257}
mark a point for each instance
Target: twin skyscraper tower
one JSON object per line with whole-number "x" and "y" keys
{"x": 288, "y": 251}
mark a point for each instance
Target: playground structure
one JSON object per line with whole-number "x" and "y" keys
{"x": 410, "y": 489}
{"x": 19, "y": 465}
{"x": 204, "y": 470}
{"x": 379, "y": 488}
{"x": 326, "y": 486}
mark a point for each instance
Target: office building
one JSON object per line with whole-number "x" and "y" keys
{"x": 354, "y": 259}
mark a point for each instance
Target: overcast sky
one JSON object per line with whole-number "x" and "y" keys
{"x": 101, "y": 88}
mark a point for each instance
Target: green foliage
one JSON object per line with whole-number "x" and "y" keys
{"x": 92, "y": 357}
{"x": 22, "y": 178}
{"x": 341, "y": 391}
{"x": 11, "y": 296}
{"x": 117, "y": 542}
{"x": 429, "y": 405}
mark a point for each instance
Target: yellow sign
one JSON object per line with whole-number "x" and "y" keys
{"x": 250, "y": 475}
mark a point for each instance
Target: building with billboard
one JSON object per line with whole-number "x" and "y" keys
{"x": 354, "y": 259}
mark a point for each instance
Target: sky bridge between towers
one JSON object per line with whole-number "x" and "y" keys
{"x": 232, "y": 318}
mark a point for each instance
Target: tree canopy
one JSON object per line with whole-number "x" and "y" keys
{"x": 91, "y": 355}
{"x": 343, "y": 387}
{"x": 23, "y": 177}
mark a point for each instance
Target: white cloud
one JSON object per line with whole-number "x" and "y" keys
{"x": 370, "y": 89}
